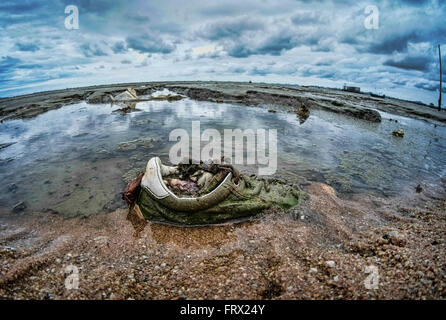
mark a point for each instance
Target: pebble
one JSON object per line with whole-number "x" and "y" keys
{"x": 20, "y": 206}
{"x": 395, "y": 238}
{"x": 330, "y": 263}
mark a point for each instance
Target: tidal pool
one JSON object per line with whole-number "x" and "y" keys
{"x": 74, "y": 160}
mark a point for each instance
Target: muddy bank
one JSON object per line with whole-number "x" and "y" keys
{"x": 325, "y": 250}
{"x": 361, "y": 106}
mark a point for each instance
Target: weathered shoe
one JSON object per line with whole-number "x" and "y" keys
{"x": 224, "y": 199}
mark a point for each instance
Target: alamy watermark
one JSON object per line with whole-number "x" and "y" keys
{"x": 371, "y": 282}
{"x": 247, "y": 147}
{"x": 72, "y": 20}
{"x": 72, "y": 280}
{"x": 372, "y": 20}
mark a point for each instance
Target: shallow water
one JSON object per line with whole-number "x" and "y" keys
{"x": 69, "y": 160}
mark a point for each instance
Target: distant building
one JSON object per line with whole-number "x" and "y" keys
{"x": 352, "y": 89}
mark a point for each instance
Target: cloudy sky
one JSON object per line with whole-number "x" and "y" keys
{"x": 300, "y": 42}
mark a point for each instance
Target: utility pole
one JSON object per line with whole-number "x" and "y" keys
{"x": 441, "y": 79}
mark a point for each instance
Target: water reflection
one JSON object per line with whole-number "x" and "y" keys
{"x": 68, "y": 160}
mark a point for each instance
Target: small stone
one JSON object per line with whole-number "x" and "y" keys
{"x": 330, "y": 264}
{"x": 395, "y": 238}
{"x": 313, "y": 270}
{"x": 418, "y": 189}
{"x": 20, "y": 206}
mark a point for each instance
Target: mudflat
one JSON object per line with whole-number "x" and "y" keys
{"x": 360, "y": 105}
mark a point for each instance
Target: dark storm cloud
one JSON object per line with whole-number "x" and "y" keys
{"x": 119, "y": 47}
{"x": 420, "y": 63}
{"x": 259, "y": 71}
{"x": 430, "y": 86}
{"x": 272, "y": 45}
{"x": 276, "y": 44}
{"x": 92, "y": 50}
{"x": 395, "y": 43}
{"x": 318, "y": 72}
{"x": 240, "y": 51}
{"x": 8, "y": 64}
{"x": 27, "y": 47}
{"x": 29, "y": 12}
{"x": 306, "y": 17}
{"x": 230, "y": 28}
{"x": 21, "y": 7}
{"x": 415, "y": 2}
{"x": 149, "y": 43}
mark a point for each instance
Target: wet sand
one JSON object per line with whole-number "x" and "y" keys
{"x": 319, "y": 251}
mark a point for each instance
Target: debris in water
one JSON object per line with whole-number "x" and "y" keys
{"x": 127, "y": 100}
{"x": 303, "y": 113}
{"x": 18, "y": 207}
{"x": 398, "y": 133}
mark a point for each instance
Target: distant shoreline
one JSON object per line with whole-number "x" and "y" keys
{"x": 363, "y": 105}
